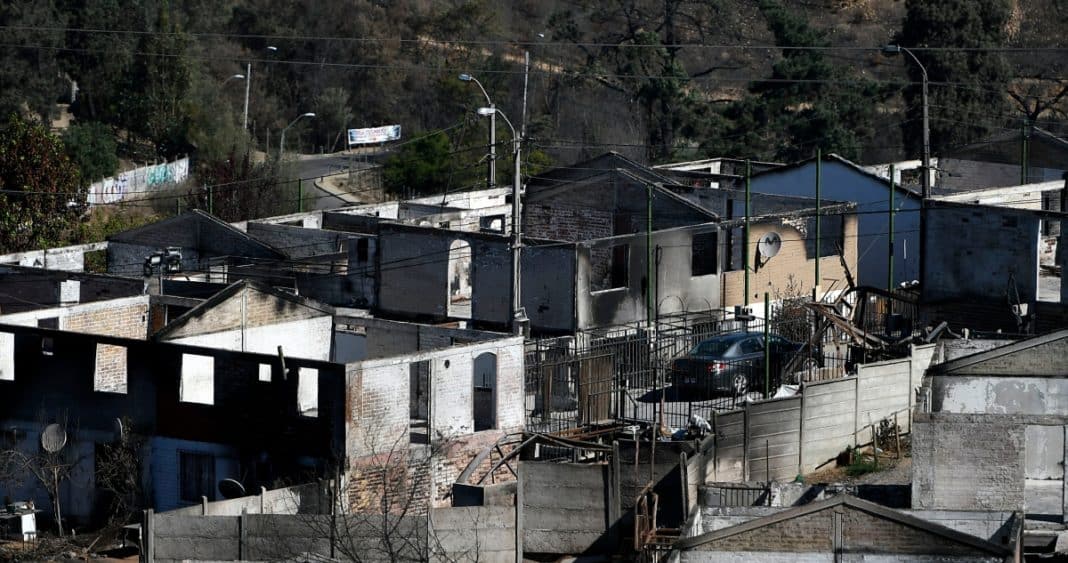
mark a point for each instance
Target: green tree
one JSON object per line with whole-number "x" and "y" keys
{"x": 99, "y": 61}
{"x": 30, "y": 78}
{"x": 158, "y": 85}
{"x": 806, "y": 103}
{"x": 41, "y": 191}
{"x": 967, "y": 110}
{"x": 423, "y": 166}
{"x": 91, "y": 146}
{"x": 639, "y": 54}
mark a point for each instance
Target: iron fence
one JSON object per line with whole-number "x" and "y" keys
{"x": 657, "y": 374}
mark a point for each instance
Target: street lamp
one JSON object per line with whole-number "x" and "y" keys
{"x": 893, "y": 50}
{"x": 232, "y": 77}
{"x": 282, "y": 143}
{"x": 492, "y": 180}
{"x": 518, "y": 316}
{"x": 248, "y": 86}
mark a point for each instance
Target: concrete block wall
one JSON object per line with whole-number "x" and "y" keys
{"x": 967, "y": 462}
{"x": 788, "y": 436}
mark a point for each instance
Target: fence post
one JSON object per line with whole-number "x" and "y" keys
{"x": 767, "y": 342}
{"x": 203, "y": 505}
{"x": 242, "y": 535}
{"x": 148, "y": 543}
{"x": 263, "y": 492}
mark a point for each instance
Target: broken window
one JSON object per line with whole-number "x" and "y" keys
{"x": 485, "y": 391}
{"x": 198, "y": 379}
{"x": 419, "y": 401}
{"x": 703, "y": 254}
{"x": 196, "y": 477}
{"x": 609, "y": 267}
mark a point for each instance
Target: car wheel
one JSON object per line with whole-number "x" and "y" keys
{"x": 740, "y": 383}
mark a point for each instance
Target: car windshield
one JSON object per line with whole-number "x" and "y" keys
{"x": 711, "y": 348}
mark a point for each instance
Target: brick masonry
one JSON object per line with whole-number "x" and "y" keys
{"x": 378, "y": 423}
{"x": 773, "y": 276}
{"x": 115, "y": 318}
{"x": 847, "y": 530}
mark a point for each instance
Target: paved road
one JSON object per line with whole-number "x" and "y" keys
{"x": 311, "y": 168}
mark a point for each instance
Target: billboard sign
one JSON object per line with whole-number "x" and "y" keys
{"x": 374, "y": 135}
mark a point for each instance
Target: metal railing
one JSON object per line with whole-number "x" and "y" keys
{"x": 637, "y": 374}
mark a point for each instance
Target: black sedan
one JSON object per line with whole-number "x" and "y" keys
{"x": 732, "y": 364}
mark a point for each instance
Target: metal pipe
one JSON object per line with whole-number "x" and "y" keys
{"x": 745, "y": 235}
{"x": 819, "y": 220}
{"x": 248, "y": 86}
{"x": 890, "y": 254}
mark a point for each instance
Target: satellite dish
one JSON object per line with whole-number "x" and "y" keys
{"x": 53, "y": 438}
{"x": 769, "y": 245}
{"x": 231, "y": 488}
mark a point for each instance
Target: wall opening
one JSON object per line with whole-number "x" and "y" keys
{"x": 491, "y": 224}
{"x": 484, "y": 396}
{"x": 308, "y": 392}
{"x": 7, "y": 356}
{"x": 419, "y": 401}
{"x": 196, "y": 477}
{"x": 363, "y": 252}
{"x": 609, "y": 267}
{"x": 460, "y": 279}
{"x": 703, "y": 254}
{"x": 264, "y": 373}
{"x": 198, "y": 379}
{"x": 109, "y": 371}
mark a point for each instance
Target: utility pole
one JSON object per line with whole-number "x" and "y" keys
{"x": 248, "y": 86}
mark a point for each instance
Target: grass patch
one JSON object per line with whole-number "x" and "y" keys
{"x": 861, "y": 467}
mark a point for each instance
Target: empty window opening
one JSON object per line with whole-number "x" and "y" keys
{"x": 363, "y": 251}
{"x": 609, "y": 267}
{"x": 265, "y": 373}
{"x": 460, "y": 279}
{"x": 419, "y": 401}
{"x": 308, "y": 392}
{"x": 47, "y": 343}
{"x": 703, "y": 256}
{"x": 109, "y": 371}
{"x": 484, "y": 397}
{"x": 7, "y": 356}
{"x": 196, "y": 476}
{"x": 198, "y": 379}
{"x": 491, "y": 224}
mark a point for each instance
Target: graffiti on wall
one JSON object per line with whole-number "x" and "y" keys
{"x": 138, "y": 182}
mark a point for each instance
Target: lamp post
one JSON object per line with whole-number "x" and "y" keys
{"x": 282, "y": 143}
{"x": 518, "y": 316}
{"x": 491, "y": 181}
{"x": 893, "y": 50}
{"x": 232, "y": 77}
{"x": 248, "y": 86}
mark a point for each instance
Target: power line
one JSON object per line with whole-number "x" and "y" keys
{"x": 523, "y": 43}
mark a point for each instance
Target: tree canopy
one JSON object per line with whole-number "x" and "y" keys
{"x": 41, "y": 191}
